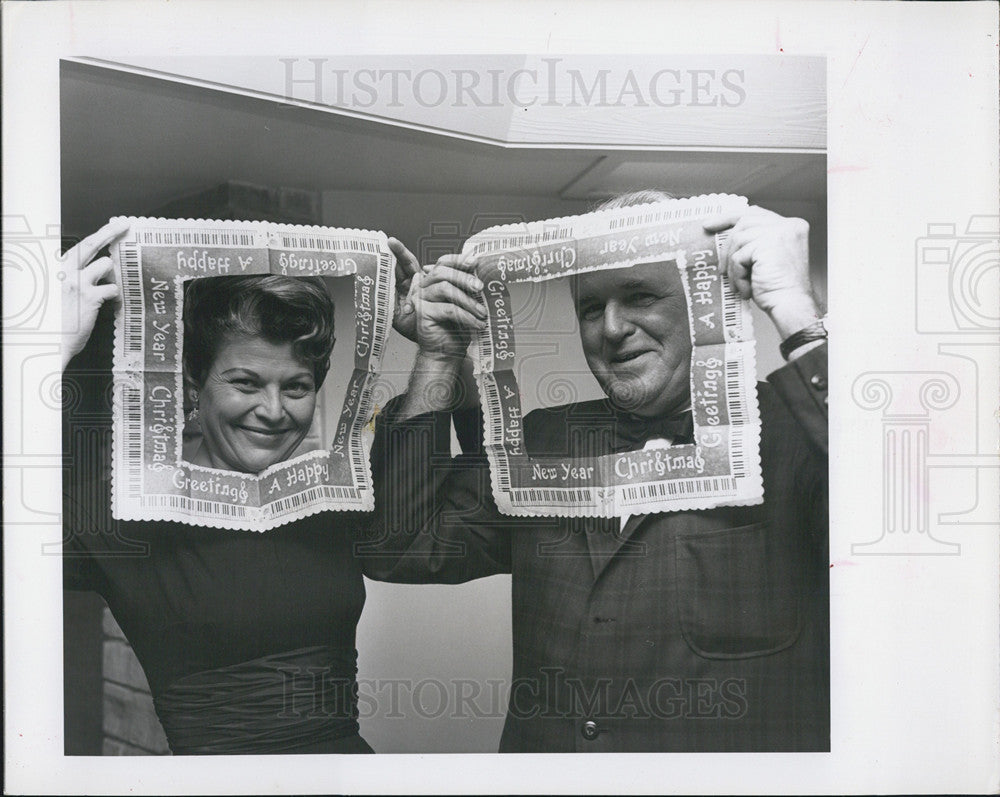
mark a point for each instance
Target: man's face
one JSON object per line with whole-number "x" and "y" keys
{"x": 636, "y": 337}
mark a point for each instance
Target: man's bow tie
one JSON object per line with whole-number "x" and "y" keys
{"x": 632, "y": 432}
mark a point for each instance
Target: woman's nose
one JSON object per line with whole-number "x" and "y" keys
{"x": 270, "y": 408}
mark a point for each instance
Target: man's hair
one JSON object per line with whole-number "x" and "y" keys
{"x": 630, "y": 198}
{"x": 296, "y": 310}
{"x": 625, "y": 200}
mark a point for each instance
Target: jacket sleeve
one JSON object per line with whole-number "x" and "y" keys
{"x": 435, "y": 520}
{"x": 803, "y": 386}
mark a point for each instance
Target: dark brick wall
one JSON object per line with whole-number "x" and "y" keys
{"x": 129, "y": 726}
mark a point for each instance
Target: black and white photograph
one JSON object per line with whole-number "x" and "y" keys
{"x": 437, "y": 394}
{"x": 739, "y": 657}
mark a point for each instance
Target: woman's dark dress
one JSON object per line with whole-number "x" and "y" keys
{"x": 247, "y": 639}
{"x": 194, "y": 601}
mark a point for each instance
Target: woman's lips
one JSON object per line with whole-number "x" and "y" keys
{"x": 264, "y": 434}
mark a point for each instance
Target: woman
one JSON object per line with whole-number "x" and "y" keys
{"x": 256, "y": 351}
{"x": 246, "y": 639}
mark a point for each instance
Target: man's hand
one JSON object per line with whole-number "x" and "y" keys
{"x": 768, "y": 261}
{"x": 438, "y": 307}
{"x": 441, "y": 309}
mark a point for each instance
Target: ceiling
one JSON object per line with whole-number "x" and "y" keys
{"x": 641, "y": 100}
{"x": 131, "y": 142}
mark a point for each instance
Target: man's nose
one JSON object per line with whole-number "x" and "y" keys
{"x": 270, "y": 407}
{"x": 617, "y": 324}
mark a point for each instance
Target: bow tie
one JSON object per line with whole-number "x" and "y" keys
{"x": 632, "y": 432}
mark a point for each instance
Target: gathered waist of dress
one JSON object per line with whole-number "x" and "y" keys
{"x": 280, "y": 703}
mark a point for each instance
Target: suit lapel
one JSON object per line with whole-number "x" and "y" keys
{"x": 606, "y": 541}
{"x": 586, "y": 430}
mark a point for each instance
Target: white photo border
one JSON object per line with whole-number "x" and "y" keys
{"x": 913, "y": 123}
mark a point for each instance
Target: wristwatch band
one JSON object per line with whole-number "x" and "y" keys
{"x": 815, "y": 331}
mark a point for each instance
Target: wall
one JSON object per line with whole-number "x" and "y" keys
{"x": 130, "y": 726}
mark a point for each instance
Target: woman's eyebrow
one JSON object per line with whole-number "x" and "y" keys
{"x": 243, "y": 370}
{"x": 239, "y": 369}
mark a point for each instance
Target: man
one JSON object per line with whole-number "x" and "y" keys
{"x": 676, "y": 631}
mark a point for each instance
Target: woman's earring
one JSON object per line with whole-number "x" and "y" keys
{"x": 193, "y": 415}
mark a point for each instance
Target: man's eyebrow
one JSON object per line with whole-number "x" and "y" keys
{"x": 629, "y": 283}
{"x": 633, "y": 283}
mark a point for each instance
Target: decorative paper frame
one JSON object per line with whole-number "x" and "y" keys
{"x": 150, "y": 481}
{"x": 722, "y": 467}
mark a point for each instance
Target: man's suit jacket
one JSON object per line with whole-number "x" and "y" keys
{"x": 684, "y": 631}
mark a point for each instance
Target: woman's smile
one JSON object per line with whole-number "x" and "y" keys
{"x": 266, "y": 434}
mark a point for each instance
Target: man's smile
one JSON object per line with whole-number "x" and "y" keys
{"x": 628, "y": 356}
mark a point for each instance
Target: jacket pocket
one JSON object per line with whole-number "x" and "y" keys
{"x": 739, "y": 592}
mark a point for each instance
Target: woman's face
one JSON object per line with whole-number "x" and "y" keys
{"x": 256, "y": 404}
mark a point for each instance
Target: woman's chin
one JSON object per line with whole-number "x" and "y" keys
{"x": 251, "y": 465}
{"x": 254, "y": 466}
{"x": 250, "y": 461}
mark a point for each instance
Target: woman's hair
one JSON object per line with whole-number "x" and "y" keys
{"x": 296, "y": 310}
{"x": 630, "y": 198}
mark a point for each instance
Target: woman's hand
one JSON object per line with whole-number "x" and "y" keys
{"x": 441, "y": 308}
{"x": 404, "y": 319}
{"x": 85, "y": 288}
